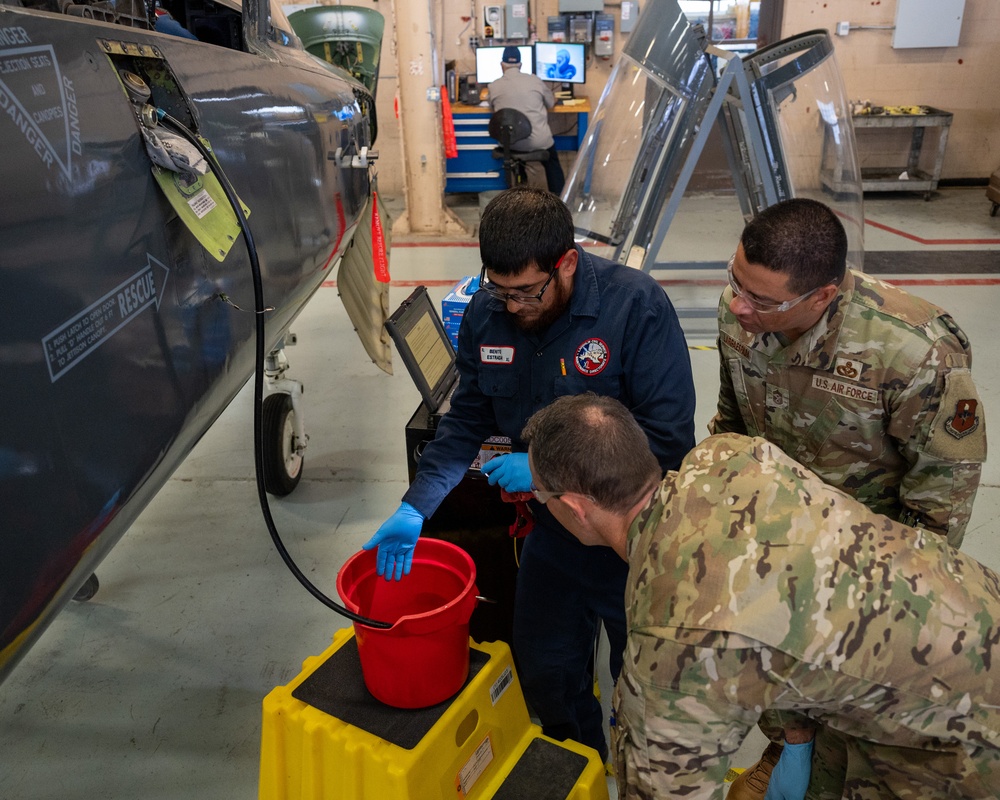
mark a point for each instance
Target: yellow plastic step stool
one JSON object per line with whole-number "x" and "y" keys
{"x": 325, "y": 737}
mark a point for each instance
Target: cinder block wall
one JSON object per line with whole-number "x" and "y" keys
{"x": 964, "y": 80}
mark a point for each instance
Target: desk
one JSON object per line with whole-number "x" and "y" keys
{"x": 475, "y": 169}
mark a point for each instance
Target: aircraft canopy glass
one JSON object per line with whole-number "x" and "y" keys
{"x": 783, "y": 112}
{"x": 805, "y": 109}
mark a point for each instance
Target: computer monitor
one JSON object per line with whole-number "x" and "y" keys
{"x": 565, "y": 62}
{"x": 488, "y": 62}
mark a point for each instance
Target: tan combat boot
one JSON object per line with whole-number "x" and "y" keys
{"x": 751, "y": 784}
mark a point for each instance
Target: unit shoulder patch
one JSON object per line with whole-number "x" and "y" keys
{"x": 965, "y": 421}
{"x": 958, "y": 432}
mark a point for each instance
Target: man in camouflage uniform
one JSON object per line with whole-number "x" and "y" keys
{"x": 754, "y": 586}
{"x": 868, "y": 386}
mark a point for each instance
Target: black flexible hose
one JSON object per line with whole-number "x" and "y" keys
{"x": 258, "y": 386}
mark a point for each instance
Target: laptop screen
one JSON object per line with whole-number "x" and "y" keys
{"x": 415, "y": 328}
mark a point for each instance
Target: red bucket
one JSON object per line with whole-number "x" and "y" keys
{"x": 423, "y": 659}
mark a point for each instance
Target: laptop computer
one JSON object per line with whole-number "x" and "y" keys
{"x": 420, "y": 338}
{"x": 416, "y": 330}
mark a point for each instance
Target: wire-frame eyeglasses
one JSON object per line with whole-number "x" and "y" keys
{"x": 758, "y": 305}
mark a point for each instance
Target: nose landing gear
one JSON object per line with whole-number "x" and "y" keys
{"x": 88, "y": 590}
{"x": 284, "y": 437}
{"x": 282, "y": 455}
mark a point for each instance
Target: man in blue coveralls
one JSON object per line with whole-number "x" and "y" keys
{"x": 551, "y": 320}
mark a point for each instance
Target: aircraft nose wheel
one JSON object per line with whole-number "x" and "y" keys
{"x": 88, "y": 590}
{"x": 282, "y": 458}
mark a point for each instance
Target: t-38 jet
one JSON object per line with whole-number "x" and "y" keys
{"x": 129, "y": 307}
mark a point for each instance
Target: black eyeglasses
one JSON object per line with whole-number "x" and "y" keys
{"x": 504, "y": 296}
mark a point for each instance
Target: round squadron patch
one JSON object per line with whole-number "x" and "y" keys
{"x": 591, "y": 357}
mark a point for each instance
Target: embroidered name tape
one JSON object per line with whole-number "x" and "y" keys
{"x": 849, "y": 390}
{"x": 738, "y": 346}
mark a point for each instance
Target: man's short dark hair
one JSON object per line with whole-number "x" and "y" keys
{"x": 800, "y": 238}
{"x": 590, "y": 444}
{"x": 524, "y": 226}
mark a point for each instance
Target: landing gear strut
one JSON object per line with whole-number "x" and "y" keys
{"x": 284, "y": 437}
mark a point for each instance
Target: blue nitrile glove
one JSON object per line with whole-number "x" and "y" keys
{"x": 395, "y": 540}
{"x": 790, "y": 777}
{"x": 510, "y": 470}
{"x": 167, "y": 24}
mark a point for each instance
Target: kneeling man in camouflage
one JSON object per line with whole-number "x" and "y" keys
{"x": 754, "y": 586}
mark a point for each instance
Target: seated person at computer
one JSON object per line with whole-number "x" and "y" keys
{"x": 528, "y": 94}
{"x": 562, "y": 70}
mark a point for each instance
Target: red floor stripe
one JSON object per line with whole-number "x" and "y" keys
{"x": 893, "y": 281}
{"x": 945, "y": 281}
{"x": 707, "y": 282}
{"x": 435, "y": 244}
{"x": 588, "y": 246}
{"x": 407, "y": 284}
{"x": 913, "y": 238}
{"x": 879, "y": 225}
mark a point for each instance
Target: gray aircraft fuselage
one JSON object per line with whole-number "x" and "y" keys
{"x": 116, "y": 347}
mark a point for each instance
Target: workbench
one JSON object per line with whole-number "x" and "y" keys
{"x": 920, "y": 177}
{"x": 475, "y": 169}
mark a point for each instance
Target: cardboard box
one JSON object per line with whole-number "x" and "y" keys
{"x": 454, "y": 303}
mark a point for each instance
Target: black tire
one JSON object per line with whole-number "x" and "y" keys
{"x": 88, "y": 590}
{"x": 993, "y": 211}
{"x": 282, "y": 465}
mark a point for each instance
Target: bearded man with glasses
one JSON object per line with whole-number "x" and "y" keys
{"x": 551, "y": 320}
{"x": 869, "y": 387}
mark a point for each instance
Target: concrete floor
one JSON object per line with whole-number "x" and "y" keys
{"x": 153, "y": 689}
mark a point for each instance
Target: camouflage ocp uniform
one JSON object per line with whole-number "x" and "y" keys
{"x": 877, "y": 399}
{"x": 755, "y": 586}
